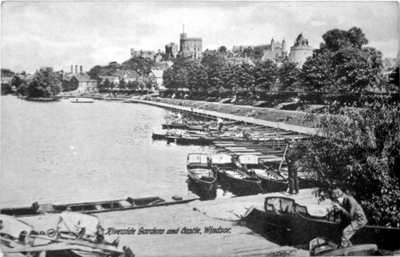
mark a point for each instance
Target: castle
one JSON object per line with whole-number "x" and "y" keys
{"x": 300, "y": 51}
{"x": 276, "y": 51}
{"x": 190, "y": 47}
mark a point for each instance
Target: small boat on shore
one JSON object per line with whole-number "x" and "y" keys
{"x": 270, "y": 180}
{"x": 82, "y": 100}
{"x": 199, "y": 170}
{"x": 74, "y": 235}
{"x": 85, "y": 207}
{"x": 233, "y": 178}
{"x": 294, "y": 222}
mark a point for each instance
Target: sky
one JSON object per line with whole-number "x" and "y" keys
{"x": 60, "y": 33}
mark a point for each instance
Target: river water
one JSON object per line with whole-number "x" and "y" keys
{"x": 64, "y": 152}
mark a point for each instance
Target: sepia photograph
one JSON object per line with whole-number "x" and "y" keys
{"x": 199, "y": 128}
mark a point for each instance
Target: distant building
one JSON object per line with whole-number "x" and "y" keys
{"x": 276, "y": 51}
{"x": 239, "y": 60}
{"x": 157, "y": 73}
{"x": 190, "y": 47}
{"x": 111, "y": 79}
{"x": 171, "y": 51}
{"x": 127, "y": 75}
{"x": 300, "y": 51}
{"x": 85, "y": 83}
{"x": 142, "y": 53}
{"x": 158, "y": 57}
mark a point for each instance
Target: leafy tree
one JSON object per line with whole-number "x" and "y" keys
{"x": 7, "y": 73}
{"x": 342, "y": 64}
{"x": 222, "y": 50}
{"x": 122, "y": 84}
{"x": 265, "y": 74}
{"x": 360, "y": 152}
{"x": 140, "y": 65}
{"x": 69, "y": 85}
{"x": 44, "y": 84}
{"x": 394, "y": 77}
{"x": 197, "y": 78}
{"x": 289, "y": 74}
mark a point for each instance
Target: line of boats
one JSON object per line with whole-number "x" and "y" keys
{"x": 242, "y": 174}
{"x": 196, "y": 132}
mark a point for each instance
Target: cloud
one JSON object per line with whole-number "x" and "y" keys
{"x": 62, "y": 33}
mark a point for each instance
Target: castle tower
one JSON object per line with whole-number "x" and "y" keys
{"x": 190, "y": 47}
{"x": 76, "y": 69}
{"x": 72, "y": 69}
{"x": 300, "y": 50}
{"x": 80, "y": 69}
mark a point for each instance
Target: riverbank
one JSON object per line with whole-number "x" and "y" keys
{"x": 199, "y": 228}
{"x": 297, "y": 118}
{"x": 241, "y": 117}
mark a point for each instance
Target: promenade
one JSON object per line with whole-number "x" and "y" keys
{"x": 233, "y": 117}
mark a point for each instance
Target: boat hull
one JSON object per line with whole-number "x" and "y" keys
{"x": 240, "y": 186}
{"x": 299, "y": 228}
{"x": 270, "y": 185}
{"x": 205, "y": 190}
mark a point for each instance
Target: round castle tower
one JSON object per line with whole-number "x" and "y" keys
{"x": 300, "y": 50}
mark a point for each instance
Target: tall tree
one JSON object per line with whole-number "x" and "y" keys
{"x": 342, "y": 64}
{"x": 265, "y": 74}
{"x": 289, "y": 74}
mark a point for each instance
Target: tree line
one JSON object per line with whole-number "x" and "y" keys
{"x": 342, "y": 65}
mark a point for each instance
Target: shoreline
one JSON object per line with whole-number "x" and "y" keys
{"x": 298, "y": 118}
{"x": 264, "y": 117}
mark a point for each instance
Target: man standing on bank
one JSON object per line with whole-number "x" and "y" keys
{"x": 353, "y": 211}
{"x": 291, "y": 160}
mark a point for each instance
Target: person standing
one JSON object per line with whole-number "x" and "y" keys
{"x": 291, "y": 160}
{"x": 347, "y": 205}
{"x": 220, "y": 123}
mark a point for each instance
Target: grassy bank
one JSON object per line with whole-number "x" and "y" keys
{"x": 290, "y": 117}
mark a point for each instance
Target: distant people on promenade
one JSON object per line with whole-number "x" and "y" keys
{"x": 220, "y": 124}
{"x": 353, "y": 211}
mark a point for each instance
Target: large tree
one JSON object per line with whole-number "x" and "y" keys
{"x": 343, "y": 64}
{"x": 45, "y": 83}
{"x": 288, "y": 74}
{"x": 265, "y": 74}
{"x": 360, "y": 152}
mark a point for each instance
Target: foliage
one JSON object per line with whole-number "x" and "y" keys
{"x": 45, "y": 83}
{"x": 342, "y": 64}
{"x": 265, "y": 74}
{"x": 288, "y": 74}
{"x": 394, "y": 77}
{"x": 69, "y": 85}
{"x": 7, "y": 73}
{"x": 141, "y": 65}
{"x": 360, "y": 152}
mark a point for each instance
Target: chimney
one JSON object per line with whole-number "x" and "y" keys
{"x": 81, "y": 69}
{"x": 76, "y": 69}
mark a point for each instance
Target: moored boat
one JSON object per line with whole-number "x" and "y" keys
{"x": 270, "y": 179}
{"x": 85, "y": 207}
{"x": 82, "y": 100}
{"x": 233, "y": 178}
{"x": 294, "y": 222}
{"x": 200, "y": 172}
